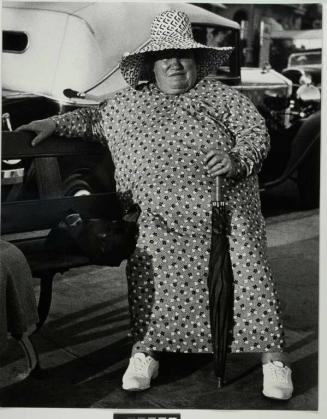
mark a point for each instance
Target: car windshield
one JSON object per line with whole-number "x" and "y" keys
{"x": 305, "y": 58}
{"x": 219, "y": 36}
{"x": 282, "y": 48}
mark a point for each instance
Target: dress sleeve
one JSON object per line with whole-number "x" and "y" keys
{"x": 84, "y": 122}
{"x": 250, "y": 135}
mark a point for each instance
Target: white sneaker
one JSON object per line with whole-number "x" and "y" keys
{"x": 141, "y": 369}
{"x": 277, "y": 381}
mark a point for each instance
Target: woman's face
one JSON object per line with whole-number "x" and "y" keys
{"x": 175, "y": 71}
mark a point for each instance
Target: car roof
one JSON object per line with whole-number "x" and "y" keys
{"x": 297, "y": 34}
{"x": 305, "y": 39}
{"x": 81, "y": 9}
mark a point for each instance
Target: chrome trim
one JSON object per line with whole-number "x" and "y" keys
{"x": 263, "y": 87}
{"x": 12, "y": 237}
{"x": 11, "y": 177}
{"x": 61, "y": 101}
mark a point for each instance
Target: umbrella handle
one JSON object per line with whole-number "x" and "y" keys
{"x": 218, "y": 189}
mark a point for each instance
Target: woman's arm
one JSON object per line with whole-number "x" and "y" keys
{"x": 250, "y": 135}
{"x": 83, "y": 122}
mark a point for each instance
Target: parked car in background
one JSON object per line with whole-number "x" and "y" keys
{"x": 60, "y": 56}
{"x": 298, "y": 55}
{"x": 286, "y": 42}
{"x": 308, "y": 64}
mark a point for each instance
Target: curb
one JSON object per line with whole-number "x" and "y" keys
{"x": 293, "y": 227}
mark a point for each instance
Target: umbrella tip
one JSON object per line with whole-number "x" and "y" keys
{"x": 219, "y": 382}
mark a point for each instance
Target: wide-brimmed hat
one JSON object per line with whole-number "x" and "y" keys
{"x": 171, "y": 30}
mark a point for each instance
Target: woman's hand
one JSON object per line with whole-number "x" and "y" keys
{"x": 218, "y": 163}
{"x": 43, "y": 128}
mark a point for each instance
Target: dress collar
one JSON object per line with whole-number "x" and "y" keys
{"x": 190, "y": 93}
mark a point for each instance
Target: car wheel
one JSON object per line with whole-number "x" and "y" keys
{"x": 78, "y": 185}
{"x": 309, "y": 177}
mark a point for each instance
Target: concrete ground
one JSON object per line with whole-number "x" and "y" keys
{"x": 84, "y": 347}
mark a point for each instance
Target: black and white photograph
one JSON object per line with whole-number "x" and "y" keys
{"x": 160, "y": 207}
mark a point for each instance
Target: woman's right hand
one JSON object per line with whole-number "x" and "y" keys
{"x": 43, "y": 128}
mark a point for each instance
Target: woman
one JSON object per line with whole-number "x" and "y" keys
{"x": 18, "y": 313}
{"x": 169, "y": 138}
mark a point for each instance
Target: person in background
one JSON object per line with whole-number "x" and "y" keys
{"x": 18, "y": 312}
{"x": 216, "y": 38}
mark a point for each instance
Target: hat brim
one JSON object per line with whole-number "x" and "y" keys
{"x": 133, "y": 66}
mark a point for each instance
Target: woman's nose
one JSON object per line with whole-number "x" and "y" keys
{"x": 175, "y": 61}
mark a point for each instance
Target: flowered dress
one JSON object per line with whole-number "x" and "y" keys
{"x": 158, "y": 143}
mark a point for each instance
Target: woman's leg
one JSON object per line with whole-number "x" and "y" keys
{"x": 29, "y": 350}
{"x": 18, "y": 305}
{"x": 16, "y": 287}
{"x": 275, "y": 356}
{"x": 137, "y": 348}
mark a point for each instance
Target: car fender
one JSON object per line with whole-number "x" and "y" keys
{"x": 305, "y": 138}
{"x": 303, "y": 141}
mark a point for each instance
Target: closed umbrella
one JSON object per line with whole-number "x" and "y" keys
{"x": 220, "y": 283}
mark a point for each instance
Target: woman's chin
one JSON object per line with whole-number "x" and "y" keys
{"x": 176, "y": 87}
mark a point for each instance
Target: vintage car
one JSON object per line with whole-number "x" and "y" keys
{"x": 306, "y": 64}
{"x": 298, "y": 56}
{"x": 60, "y": 56}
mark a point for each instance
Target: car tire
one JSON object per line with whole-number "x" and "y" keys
{"x": 79, "y": 184}
{"x": 308, "y": 178}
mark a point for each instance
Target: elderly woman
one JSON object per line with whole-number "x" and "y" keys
{"x": 169, "y": 138}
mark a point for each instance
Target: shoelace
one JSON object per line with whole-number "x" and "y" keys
{"x": 279, "y": 374}
{"x": 141, "y": 365}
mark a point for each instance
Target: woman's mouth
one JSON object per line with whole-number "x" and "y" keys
{"x": 176, "y": 73}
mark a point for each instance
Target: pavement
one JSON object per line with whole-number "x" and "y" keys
{"x": 84, "y": 346}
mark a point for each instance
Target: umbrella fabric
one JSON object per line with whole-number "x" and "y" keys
{"x": 220, "y": 285}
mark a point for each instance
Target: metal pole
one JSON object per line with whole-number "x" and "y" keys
{"x": 250, "y": 36}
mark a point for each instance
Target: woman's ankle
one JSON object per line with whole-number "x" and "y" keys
{"x": 153, "y": 354}
{"x": 267, "y": 357}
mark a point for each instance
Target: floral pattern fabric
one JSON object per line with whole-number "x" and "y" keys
{"x": 158, "y": 143}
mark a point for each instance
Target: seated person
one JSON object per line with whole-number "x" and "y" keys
{"x": 18, "y": 312}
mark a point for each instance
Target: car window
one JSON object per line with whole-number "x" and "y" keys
{"x": 14, "y": 41}
{"x": 282, "y": 48}
{"x": 307, "y": 58}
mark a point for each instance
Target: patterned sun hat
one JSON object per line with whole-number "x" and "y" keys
{"x": 172, "y": 29}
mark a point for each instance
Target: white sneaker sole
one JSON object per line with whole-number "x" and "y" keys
{"x": 155, "y": 375}
{"x": 277, "y": 398}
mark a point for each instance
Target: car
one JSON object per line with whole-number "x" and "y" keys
{"x": 306, "y": 64}
{"x": 300, "y": 60}
{"x": 62, "y": 56}
{"x": 286, "y": 42}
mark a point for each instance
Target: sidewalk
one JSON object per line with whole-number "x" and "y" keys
{"x": 85, "y": 348}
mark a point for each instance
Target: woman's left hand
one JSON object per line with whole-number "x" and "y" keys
{"x": 218, "y": 163}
